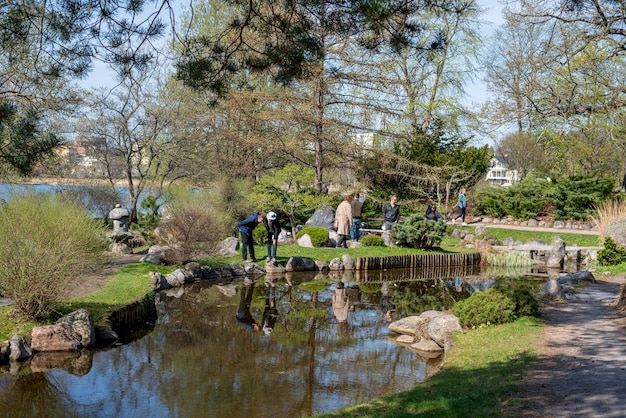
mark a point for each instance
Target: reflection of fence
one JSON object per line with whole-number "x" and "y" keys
{"x": 411, "y": 274}
{"x": 129, "y": 318}
{"x": 417, "y": 261}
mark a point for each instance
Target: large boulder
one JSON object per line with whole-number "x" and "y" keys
{"x": 300, "y": 264}
{"x": 440, "y": 329}
{"x": 551, "y": 290}
{"x": 71, "y": 332}
{"x": 228, "y": 247}
{"x": 432, "y": 330}
{"x": 617, "y": 231}
{"x": 18, "y": 349}
{"x": 324, "y": 217}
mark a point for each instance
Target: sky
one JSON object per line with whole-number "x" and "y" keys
{"x": 477, "y": 94}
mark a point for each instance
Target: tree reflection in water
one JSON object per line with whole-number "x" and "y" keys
{"x": 198, "y": 361}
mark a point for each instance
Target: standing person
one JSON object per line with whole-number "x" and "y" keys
{"x": 357, "y": 208}
{"x": 272, "y": 225}
{"x": 391, "y": 213}
{"x": 245, "y": 229}
{"x": 462, "y": 205}
{"x": 343, "y": 220}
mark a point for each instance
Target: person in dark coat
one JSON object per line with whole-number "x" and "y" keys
{"x": 391, "y": 213}
{"x": 432, "y": 214}
{"x": 272, "y": 225}
{"x": 245, "y": 229}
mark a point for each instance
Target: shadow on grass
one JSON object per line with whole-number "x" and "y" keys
{"x": 454, "y": 392}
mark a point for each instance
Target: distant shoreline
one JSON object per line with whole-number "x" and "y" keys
{"x": 58, "y": 181}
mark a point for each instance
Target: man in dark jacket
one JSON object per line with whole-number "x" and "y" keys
{"x": 391, "y": 213}
{"x": 245, "y": 229}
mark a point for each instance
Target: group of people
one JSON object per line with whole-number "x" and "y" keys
{"x": 273, "y": 228}
{"x": 348, "y": 218}
{"x": 270, "y": 312}
{"x": 433, "y": 215}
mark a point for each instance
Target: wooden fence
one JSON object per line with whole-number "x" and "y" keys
{"x": 417, "y": 261}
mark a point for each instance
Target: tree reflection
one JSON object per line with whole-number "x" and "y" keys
{"x": 33, "y": 394}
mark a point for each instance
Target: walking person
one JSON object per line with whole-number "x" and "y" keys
{"x": 391, "y": 213}
{"x": 462, "y": 205}
{"x": 272, "y": 225}
{"x": 343, "y": 220}
{"x": 245, "y": 229}
{"x": 357, "y": 208}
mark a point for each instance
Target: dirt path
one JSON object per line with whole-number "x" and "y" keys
{"x": 582, "y": 366}
{"x": 99, "y": 277}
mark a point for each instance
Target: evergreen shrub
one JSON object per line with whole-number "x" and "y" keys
{"x": 611, "y": 254}
{"x": 573, "y": 197}
{"x": 318, "y": 234}
{"x": 259, "y": 235}
{"x": 418, "y": 232}
{"x": 493, "y": 306}
{"x": 372, "y": 240}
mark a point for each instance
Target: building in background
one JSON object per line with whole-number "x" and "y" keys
{"x": 500, "y": 174}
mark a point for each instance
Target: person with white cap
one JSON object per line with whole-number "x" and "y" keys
{"x": 272, "y": 225}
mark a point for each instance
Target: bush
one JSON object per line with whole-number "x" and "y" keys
{"x": 193, "y": 225}
{"x": 419, "y": 232}
{"x": 483, "y": 308}
{"x": 525, "y": 303}
{"x": 48, "y": 242}
{"x": 611, "y": 254}
{"x": 318, "y": 234}
{"x": 259, "y": 235}
{"x": 372, "y": 240}
{"x": 573, "y": 197}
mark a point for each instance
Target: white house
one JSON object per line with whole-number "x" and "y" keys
{"x": 500, "y": 174}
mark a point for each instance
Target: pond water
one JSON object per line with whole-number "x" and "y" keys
{"x": 198, "y": 360}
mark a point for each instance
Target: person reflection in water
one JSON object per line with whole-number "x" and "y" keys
{"x": 244, "y": 317}
{"x": 341, "y": 303}
{"x": 385, "y": 302}
{"x": 270, "y": 313}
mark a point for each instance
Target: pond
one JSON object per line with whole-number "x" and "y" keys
{"x": 311, "y": 354}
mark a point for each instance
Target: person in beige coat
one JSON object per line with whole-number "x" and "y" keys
{"x": 343, "y": 220}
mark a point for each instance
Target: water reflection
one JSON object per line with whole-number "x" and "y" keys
{"x": 317, "y": 344}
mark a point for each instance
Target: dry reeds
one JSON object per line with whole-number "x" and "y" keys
{"x": 509, "y": 259}
{"x": 607, "y": 212}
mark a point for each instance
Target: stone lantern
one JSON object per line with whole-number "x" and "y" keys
{"x": 120, "y": 235}
{"x": 120, "y": 217}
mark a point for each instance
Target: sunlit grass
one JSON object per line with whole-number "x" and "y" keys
{"x": 130, "y": 283}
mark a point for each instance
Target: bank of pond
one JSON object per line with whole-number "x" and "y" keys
{"x": 292, "y": 345}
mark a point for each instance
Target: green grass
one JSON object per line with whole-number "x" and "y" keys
{"x": 478, "y": 379}
{"x": 524, "y": 236}
{"x": 130, "y": 283}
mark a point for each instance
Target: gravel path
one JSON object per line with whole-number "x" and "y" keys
{"x": 582, "y": 366}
